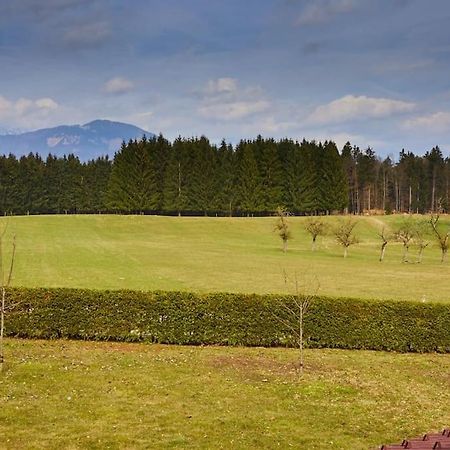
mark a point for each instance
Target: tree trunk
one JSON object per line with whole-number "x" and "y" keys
{"x": 433, "y": 191}
{"x": 345, "y": 252}
{"x": 410, "y": 199}
{"x": 405, "y": 253}
{"x": 383, "y": 250}
{"x": 285, "y": 246}
{"x": 301, "y": 339}
{"x": 419, "y": 257}
{"x": 2, "y": 327}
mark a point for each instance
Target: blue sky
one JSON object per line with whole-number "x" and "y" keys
{"x": 373, "y": 72}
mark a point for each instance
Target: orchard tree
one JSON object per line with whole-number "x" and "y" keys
{"x": 316, "y": 227}
{"x": 282, "y": 226}
{"x": 405, "y": 234}
{"x": 441, "y": 236}
{"x": 344, "y": 233}
{"x": 421, "y": 238}
{"x": 385, "y": 238}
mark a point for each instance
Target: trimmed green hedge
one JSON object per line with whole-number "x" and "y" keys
{"x": 225, "y": 319}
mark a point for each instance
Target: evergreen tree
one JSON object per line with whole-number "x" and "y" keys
{"x": 249, "y": 186}
{"x": 310, "y": 154}
{"x": 201, "y": 190}
{"x": 333, "y": 186}
{"x": 271, "y": 172}
{"x": 131, "y": 183}
{"x": 225, "y": 179}
{"x": 176, "y": 178}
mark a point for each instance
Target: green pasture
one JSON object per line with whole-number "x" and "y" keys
{"x": 72, "y": 394}
{"x": 208, "y": 254}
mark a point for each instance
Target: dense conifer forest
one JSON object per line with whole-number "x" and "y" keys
{"x": 193, "y": 176}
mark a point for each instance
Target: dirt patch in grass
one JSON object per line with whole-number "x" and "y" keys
{"x": 255, "y": 365}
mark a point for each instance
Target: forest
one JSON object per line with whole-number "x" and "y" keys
{"x": 192, "y": 176}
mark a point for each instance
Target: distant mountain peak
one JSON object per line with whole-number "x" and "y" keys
{"x": 95, "y": 138}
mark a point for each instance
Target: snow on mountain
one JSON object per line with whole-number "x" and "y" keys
{"x": 96, "y": 138}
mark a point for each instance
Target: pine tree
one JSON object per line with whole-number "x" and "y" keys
{"x": 333, "y": 186}
{"x": 310, "y": 154}
{"x": 225, "y": 179}
{"x": 248, "y": 181}
{"x": 131, "y": 183}
{"x": 201, "y": 190}
{"x": 271, "y": 172}
{"x": 176, "y": 178}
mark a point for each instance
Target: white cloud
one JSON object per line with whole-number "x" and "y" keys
{"x": 26, "y": 112}
{"x": 221, "y": 85}
{"x": 439, "y": 121}
{"x": 353, "y": 107}
{"x": 223, "y": 99}
{"x": 118, "y": 85}
{"x": 233, "y": 110}
{"x": 46, "y": 103}
{"x": 321, "y": 11}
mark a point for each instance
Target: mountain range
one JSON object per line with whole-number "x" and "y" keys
{"x": 93, "y": 139}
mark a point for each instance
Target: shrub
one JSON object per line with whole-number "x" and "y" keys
{"x": 225, "y": 319}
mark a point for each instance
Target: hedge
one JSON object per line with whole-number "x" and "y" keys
{"x": 225, "y": 319}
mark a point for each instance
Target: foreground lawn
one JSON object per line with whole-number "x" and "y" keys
{"x": 216, "y": 254}
{"x": 65, "y": 394}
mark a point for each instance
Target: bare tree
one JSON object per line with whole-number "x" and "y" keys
{"x": 421, "y": 238}
{"x": 442, "y": 237}
{"x": 282, "y": 226}
{"x": 5, "y": 284}
{"x": 294, "y": 312}
{"x": 405, "y": 234}
{"x": 385, "y": 238}
{"x": 344, "y": 234}
{"x": 316, "y": 227}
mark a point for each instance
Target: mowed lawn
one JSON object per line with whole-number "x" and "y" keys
{"x": 216, "y": 254}
{"x": 72, "y": 394}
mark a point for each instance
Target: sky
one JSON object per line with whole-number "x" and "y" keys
{"x": 376, "y": 73}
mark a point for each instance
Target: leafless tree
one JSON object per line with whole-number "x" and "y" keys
{"x": 5, "y": 284}
{"x": 385, "y": 238}
{"x": 442, "y": 237}
{"x": 294, "y": 312}
{"x": 405, "y": 234}
{"x": 282, "y": 226}
{"x": 421, "y": 238}
{"x": 316, "y": 227}
{"x": 344, "y": 233}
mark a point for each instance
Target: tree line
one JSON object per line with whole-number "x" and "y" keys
{"x": 194, "y": 176}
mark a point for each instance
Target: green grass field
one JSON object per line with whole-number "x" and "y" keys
{"x": 216, "y": 254}
{"x": 66, "y": 394}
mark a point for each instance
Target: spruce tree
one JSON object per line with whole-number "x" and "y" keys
{"x": 176, "y": 178}
{"x": 131, "y": 183}
{"x": 225, "y": 179}
{"x": 249, "y": 184}
{"x": 333, "y": 185}
{"x": 271, "y": 171}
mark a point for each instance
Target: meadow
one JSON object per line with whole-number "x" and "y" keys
{"x": 76, "y": 394}
{"x": 72, "y": 394}
{"x": 208, "y": 254}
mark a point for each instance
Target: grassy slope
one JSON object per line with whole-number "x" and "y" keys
{"x": 214, "y": 254}
{"x": 62, "y": 394}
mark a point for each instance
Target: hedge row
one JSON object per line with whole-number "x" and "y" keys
{"x": 225, "y": 319}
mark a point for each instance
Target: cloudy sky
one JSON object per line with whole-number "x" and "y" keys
{"x": 373, "y": 72}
